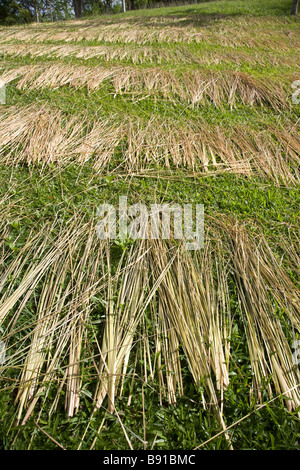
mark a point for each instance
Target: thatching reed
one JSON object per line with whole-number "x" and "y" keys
{"x": 136, "y": 55}
{"x": 233, "y": 33}
{"x": 41, "y": 136}
{"x": 44, "y": 136}
{"x": 197, "y": 88}
{"x": 149, "y": 54}
{"x": 59, "y": 347}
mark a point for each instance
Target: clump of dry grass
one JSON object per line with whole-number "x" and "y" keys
{"x": 195, "y": 87}
{"x": 149, "y": 54}
{"x": 206, "y": 149}
{"x": 259, "y": 279}
{"x": 232, "y": 33}
{"x": 67, "y": 269}
{"x": 44, "y": 136}
{"x": 137, "y": 55}
{"x": 41, "y": 136}
{"x": 184, "y": 296}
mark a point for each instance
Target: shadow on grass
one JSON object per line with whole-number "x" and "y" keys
{"x": 157, "y": 21}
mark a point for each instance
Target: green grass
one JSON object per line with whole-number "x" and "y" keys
{"x": 223, "y": 7}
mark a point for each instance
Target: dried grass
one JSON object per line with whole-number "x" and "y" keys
{"x": 44, "y": 137}
{"x": 136, "y": 55}
{"x": 195, "y": 87}
{"x": 184, "y": 297}
{"x": 150, "y": 54}
{"x": 259, "y": 279}
{"x": 41, "y": 136}
{"x": 230, "y": 34}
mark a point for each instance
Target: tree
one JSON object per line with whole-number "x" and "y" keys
{"x": 131, "y": 4}
{"x": 295, "y": 7}
{"x": 12, "y": 12}
{"x": 77, "y": 4}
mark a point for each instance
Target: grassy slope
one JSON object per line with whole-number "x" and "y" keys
{"x": 256, "y": 38}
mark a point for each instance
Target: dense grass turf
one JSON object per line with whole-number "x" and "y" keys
{"x": 190, "y": 104}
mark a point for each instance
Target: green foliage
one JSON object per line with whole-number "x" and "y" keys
{"x": 12, "y": 11}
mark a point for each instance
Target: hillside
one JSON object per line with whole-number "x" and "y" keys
{"x": 142, "y": 344}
